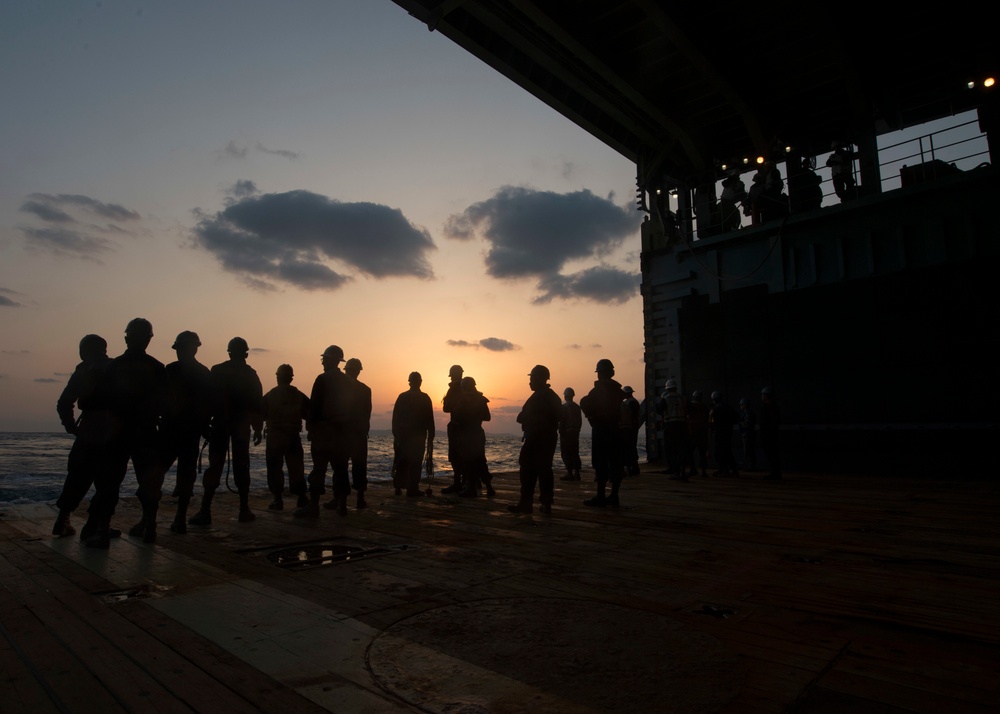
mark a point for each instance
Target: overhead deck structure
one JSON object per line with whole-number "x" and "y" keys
{"x": 826, "y": 306}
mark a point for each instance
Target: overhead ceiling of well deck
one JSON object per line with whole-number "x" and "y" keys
{"x": 679, "y": 87}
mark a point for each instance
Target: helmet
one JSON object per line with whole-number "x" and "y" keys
{"x": 285, "y": 369}
{"x": 671, "y": 384}
{"x": 744, "y": 402}
{"x": 540, "y": 371}
{"x": 335, "y": 353}
{"x": 696, "y": 396}
{"x": 456, "y": 369}
{"x": 469, "y": 382}
{"x": 238, "y": 345}
{"x": 765, "y": 390}
{"x": 628, "y": 390}
{"x": 717, "y": 396}
{"x": 186, "y": 338}
{"x": 604, "y": 365}
{"x": 139, "y": 326}
{"x": 353, "y": 363}
{"x": 569, "y": 392}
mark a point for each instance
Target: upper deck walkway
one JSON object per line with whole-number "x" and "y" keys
{"x": 814, "y": 594}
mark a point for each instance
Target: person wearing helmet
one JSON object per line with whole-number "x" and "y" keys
{"x": 187, "y": 410}
{"x": 674, "y": 430}
{"x": 770, "y": 423}
{"x": 284, "y": 409}
{"x": 468, "y": 413}
{"x": 602, "y": 407}
{"x": 90, "y": 430}
{"x": 412, "y": 436}
{"x": 454, "y": 454}
{"x": 539, "y": 420}
{"x": 132, "y": 388}
{"x": 631, "y": 420}
{"x": 358, "y": 428}
{"x": 238, "y": 409}
{"x": 721, "y": 419}
{"x": 327, "y": 430}
{"x": 569, "y": 436}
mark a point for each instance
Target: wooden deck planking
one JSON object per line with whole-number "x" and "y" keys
{"x": 827, "y": 577}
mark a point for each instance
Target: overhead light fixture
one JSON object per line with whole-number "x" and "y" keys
{"x": 971, "y": 85}
{"x": 760, "y": 159}
{"x": 746, "y": 160}
{"x": 989, "y": 82}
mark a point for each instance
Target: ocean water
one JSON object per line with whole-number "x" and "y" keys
{"x": 33, "y": 464}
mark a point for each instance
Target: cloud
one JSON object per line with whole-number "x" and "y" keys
{"x": 239, "y": 150}
{"x": 493, "y": 344}
{"x": 68, "y": 229}
{"x": 243, "y": 188}
{"x": 534, "y": 234}
{"x": 233, "y": 151}
{"x": 9, "y": 301}
{"x": 600, "y": 284}
{"x": 290, "y": 237}
{"x": 284, "y": 153}
{"x": 63, "y": 240}
{"x": 111, "y": 211}
{"x": 48, "y": 380}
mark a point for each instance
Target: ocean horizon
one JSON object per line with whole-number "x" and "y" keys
{"x": 33, "y": 464}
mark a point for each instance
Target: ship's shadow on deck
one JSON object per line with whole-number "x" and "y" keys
{"x": 814, "y": 594}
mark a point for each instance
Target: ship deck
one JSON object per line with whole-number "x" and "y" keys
{"x": 818, "y": 593}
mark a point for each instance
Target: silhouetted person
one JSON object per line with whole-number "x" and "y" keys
{"x": 754, "y": 204}
{"x": 602, "y": 407}
{"x": 412, "y": 433}
{"x": 734, "y": 193}
{"x": 770, "y": 422}
{"x": 358, "y": 428}
{"x": 674, "y": 430}
{"x": 697, "y": 433}
{"x": 570, "y": 424}
{"x": 808, "y": 194}
{"x": 187, "y": 411}
{"x": 453, "y": 393}
{"x": 631, "y": 420}
{"x": 327, "y": 429}
{"x": 841, "y": 163}
{"x": 722, "y": 418}
{"x": 469, "y": 411}
{"x": 748, "y": 432}
{"x": 132, "y": 386}
{"x": 285, "y": 407}
{"x": 238, "y": 408}
{"x": 91, "y": 429}
{"x": 539, "y": 420}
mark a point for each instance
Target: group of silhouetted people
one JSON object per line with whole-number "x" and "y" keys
{"x": 689, "y": 427}
{"x": 135, "y": 409}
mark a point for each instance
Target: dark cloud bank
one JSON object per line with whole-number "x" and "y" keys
{"x": 290, "y": 238}
{"x": 534, "y": 234}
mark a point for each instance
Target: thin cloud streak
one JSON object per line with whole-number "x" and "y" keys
{"x": 493, "y": 344}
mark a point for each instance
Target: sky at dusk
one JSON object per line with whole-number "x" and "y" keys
{"x": 302, "y": 173}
